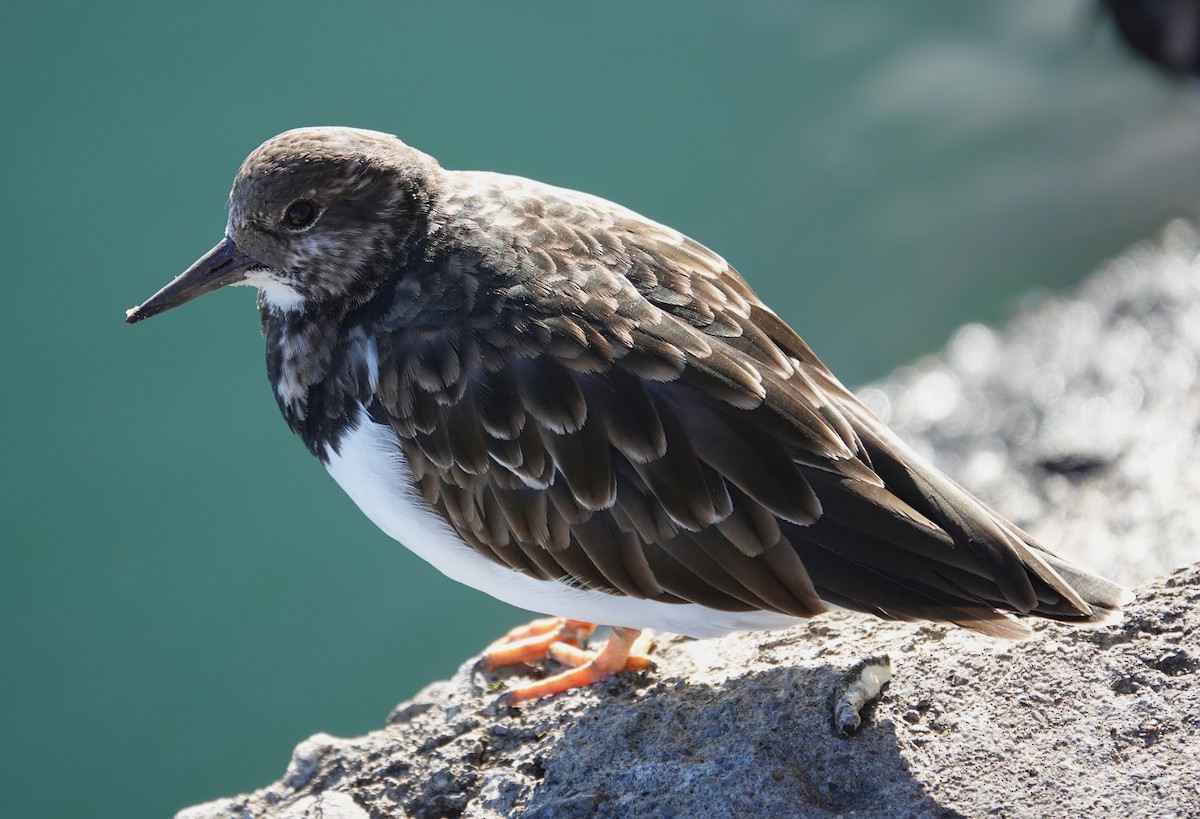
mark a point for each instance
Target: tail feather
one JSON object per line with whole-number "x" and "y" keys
{"x": 1105, "y": 597}
{"x": 1013, "y": 571}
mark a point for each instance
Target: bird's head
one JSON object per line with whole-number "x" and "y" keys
{"x": 315, "y": 215}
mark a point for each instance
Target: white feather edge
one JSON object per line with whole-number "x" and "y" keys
{"x": 371, "y": 469}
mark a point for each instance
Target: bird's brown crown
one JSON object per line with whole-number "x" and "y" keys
{"x": 326, "y": 210}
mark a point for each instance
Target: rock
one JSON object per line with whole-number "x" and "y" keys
{"x": 1099, "y": 722}
{"x": 1082, "y": 421}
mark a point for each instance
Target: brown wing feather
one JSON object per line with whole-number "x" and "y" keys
{"x": 626, "y": 415}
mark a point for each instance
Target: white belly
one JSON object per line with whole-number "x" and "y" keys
{"x": 371, "y": 469}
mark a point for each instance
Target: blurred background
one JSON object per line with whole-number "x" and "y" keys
{"x": 185, "y": 594}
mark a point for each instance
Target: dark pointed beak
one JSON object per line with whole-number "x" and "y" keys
{"x": 222, "y": 265}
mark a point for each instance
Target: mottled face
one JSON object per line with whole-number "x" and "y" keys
{"x": 316, "y": 215}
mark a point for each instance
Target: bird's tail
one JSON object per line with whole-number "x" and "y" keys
{"x": 1105, "y": 598}
{"x": 1023, "y": 576}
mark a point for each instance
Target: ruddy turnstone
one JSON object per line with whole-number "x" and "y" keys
{"x": 585, "y": 413}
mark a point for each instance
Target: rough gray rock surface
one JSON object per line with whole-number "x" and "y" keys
{"x": 1082, "y": 421}
{"x": 1102, "y": 722}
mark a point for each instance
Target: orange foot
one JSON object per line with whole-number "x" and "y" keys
{"x": 531, "y": 642}
{"x": 561, "y": 640}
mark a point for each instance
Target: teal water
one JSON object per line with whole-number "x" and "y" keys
{"x": 184, "y": 594}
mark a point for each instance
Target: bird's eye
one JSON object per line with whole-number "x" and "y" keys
{"x": 300, "y": 214}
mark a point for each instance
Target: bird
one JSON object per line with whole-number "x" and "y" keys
{"x": 587, "y": 414}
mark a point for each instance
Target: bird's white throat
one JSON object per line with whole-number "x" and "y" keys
{"x": 275, "y": 294}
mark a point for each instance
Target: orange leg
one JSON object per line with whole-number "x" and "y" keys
{"x": 573, "y": 657}
{"x": 532, "y": 641}
{"x": 614, "y": 658}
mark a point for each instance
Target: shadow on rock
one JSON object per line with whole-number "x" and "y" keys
{"x": 759, "y": 745}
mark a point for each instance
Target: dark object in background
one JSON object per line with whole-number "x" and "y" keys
{"x": 1165, "y": 32}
